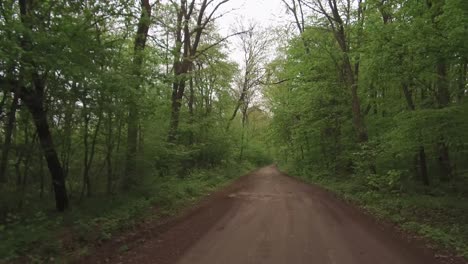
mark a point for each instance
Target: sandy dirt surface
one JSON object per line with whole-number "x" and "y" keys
{"x": 268, "y": 217}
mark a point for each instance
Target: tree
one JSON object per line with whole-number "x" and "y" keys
{"x": 406, "y": 61}
{"x": 254, "y": 47}
{"x": 133, "y": 112}
{"x": 187, "y": 42}
{"x": 340, "y": 19}
{"x": 33, "y": 96}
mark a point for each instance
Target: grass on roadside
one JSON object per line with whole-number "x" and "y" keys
{"x": 48, "y": 236}
{"x": 439, "y": 217}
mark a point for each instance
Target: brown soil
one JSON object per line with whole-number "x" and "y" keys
{"x": 267, "y": 217}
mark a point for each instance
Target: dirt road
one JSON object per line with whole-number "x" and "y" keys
{"x": 268, "y": 217}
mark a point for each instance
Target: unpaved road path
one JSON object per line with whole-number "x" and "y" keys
{"x": 268, "y": 217}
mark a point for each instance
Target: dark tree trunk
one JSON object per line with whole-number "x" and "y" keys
{"x": 182, "y": 66}
{"x": 358, "y": 122}
{"x": 67, "y": 137}
{"x": 443, "y": 94}
{"x": 26, "y": 165}
{"x": 242, "y": 98}
{"x": 177, "y": 96}
{"x": 117, "y": 166}
{"x": 444, "y": 162}
{"x": 41, "y": 175}
{"x": 19, "y": 159}
{"x": 45, "y": 138}
{"x": 420, "y": 157}
{"x": 245, "y": 108}
{"x": 132, "y": 141}
{"x": 350, "y": 73}
{"x": 241, "y": 154}
{"x": 423, "y": 166}
{"x": 86, "y": 185}
{"x": 8, "y": 134}
{"x": 89, "y": 152}
{"x": 183, "y": 60}
{"x": 409, "y": 97}
{"x": 33, "y": 98}
{"x": 191, "y": 110}
{"x": 133, "y": 115}
{"x": 109, "y": 152}
{"x": 351, "y": 81}
{"x": 443, "y": 100}
{"x": 178, "y": 82}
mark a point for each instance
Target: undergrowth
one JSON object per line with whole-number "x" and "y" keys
{"x": 439, "y": 216}
{"x": 47, "y": 236}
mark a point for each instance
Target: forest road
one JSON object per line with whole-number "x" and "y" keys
{"x": 269, "y": 217}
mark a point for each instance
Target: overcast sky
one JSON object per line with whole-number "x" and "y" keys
{"x": 264, "y": 12}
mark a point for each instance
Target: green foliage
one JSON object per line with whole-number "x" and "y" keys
{"x": 391, "y": 181}
{"x": 81, "y": 63}
{"x": 45, "y": 235}
{"x": 409, "y": 65}
{"x": 439, "y": 218}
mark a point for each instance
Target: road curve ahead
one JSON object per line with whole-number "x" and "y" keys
{"x": 268, "y": 217}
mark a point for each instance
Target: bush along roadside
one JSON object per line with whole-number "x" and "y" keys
{"x": 439, "y": 218}
{"x": 51, "y": 237}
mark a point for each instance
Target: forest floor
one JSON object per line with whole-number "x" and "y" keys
{"x": 268, "y": 217}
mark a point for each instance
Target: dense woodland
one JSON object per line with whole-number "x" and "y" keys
{"x": 100, "y": 98}
{"x": 105, "y": 101}
{"x": 375, "y": 88}
{"x": 370, "y": 100}
{"x": 95, "y": 96}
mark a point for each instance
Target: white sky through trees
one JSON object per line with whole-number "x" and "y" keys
{"x": 261, "y": 13}
{"x": 265, "y": 13}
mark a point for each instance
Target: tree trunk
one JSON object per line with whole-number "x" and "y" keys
{"x": 109, "y": 152}
{"x": 191, "y": 110}
{"x": 241, "y": 154}
{"x": 443, "y": 100}
{"x": 351, "y": 81}
{"x": 242, "y": 98}
{"x": 26, "y": 165}
{"x": 58, "y": 180}
{"x": 33, "y": 98}
{"x": 183, "y": 60}
{"x": 178, "y": 83}
{"x": 443, "y": 94}
{"x": 350, "y": 75}
{"x": 177, "y": 96}
{"x": 444, "y": 162}
{"x": 462, "y": 80}
{"x": 86, "y": 182}
{"x": 41, "y": 176}
{"x": 358, "y": 122}
{"x": 409, "y": 97}
{"x": 420, "y": 157}
{"x": 132, "y": 141}
{"x": 19, "y": 159}
{"x": 423, "y": 166}
{"x": 8, "y": 134}
{"x": 89, "y": 150}
{"x": 66, "y": 150}
{"x": 133, "y": 115}
{"x": 244, "y": 123}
